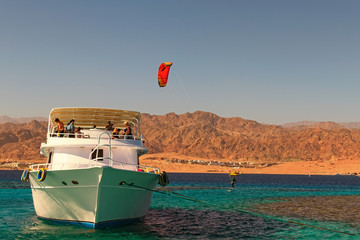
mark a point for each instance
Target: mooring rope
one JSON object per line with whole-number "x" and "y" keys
{"x": 167, "y": 192}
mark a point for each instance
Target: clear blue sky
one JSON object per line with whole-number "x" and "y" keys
{"x": 269, "y": 61}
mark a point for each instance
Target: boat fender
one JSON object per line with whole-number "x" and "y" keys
{"x": 41, "y": 174}
{"x": 25, "y": 175}
{"x": 163, "y": 179}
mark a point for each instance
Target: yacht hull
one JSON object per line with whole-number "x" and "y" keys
{"x": 94, "y": 197}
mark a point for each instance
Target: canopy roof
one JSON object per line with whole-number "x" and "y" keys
{"x": 88, "y": 117}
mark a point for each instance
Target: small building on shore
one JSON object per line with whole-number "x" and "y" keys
{"x": 10, "y": 165}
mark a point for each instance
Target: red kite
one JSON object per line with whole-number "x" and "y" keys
{"x": 164, "y": 73}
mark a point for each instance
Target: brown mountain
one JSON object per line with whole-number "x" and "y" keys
{"x": 311, "y": 124}
{"x": 5, "y": 119}
{"x": 22, "y": 141}
{"x": 206, "y": 135}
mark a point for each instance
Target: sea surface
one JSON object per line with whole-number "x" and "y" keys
{"x": 202, "y": 206}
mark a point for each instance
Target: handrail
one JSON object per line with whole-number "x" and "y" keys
{"x": 111, "y": 162}
{"x": 90, "y": 164}
{"x": 88, "y": 136}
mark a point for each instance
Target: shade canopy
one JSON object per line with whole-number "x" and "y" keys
{"x": 99, "y": 117}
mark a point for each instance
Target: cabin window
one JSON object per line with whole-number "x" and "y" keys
{"x": 99, "y": 153}
{"x": 49, "y": 158}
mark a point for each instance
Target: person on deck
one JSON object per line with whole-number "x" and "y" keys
{"x": 127, "y": 130}
{"x": 59, "y": 127}
{"x": 70, "y": 128}
{"x": 116, "y": 133}
{"x": 78, "y": 132}
{"x": 109, "y": 127}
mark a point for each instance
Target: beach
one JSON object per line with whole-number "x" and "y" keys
{"x": 332, "y": 167}
{"x": 162, "y": 161}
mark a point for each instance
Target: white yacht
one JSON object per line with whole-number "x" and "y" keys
{"x": 92, "y": 177}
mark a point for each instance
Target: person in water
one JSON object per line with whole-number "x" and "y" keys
{"x": 233, "y": 181}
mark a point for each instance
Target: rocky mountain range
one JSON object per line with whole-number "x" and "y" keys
{"x": 6, "y": 119}
{"x": 206, "y": 135}
{"x": 304, "y": 124}
{"x": 22, "y": 141}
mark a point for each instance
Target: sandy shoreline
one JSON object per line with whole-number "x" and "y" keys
{"x": 332, "y": 167}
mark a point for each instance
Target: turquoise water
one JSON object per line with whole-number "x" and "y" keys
{"x": 172, "y": 217}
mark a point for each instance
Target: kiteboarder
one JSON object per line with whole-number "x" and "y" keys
{"x": 233, "y": 181}
{"x": 232, "y": 178}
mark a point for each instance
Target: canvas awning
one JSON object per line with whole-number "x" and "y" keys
{"x": 99, "y": 117}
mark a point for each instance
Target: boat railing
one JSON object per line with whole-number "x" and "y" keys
{"x": 97, "y": 151}
{"x": 91, "y": 164}
{"x": 97, "y": 160}
{"x": 90, "y": 136}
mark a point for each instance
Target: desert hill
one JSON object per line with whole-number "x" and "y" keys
{"x": 311, "y": 124}
{"x": 204, "y": 135}
{"x": 5, "y": 119}
{"x": 22, "y": 141}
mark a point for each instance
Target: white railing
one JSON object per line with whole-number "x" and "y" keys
{"x": 94, "y": 162}
{"x": 96, "y": 150}
{"x": 68, "y": 135}
{"x": 90, "y": 136}
{"x": 91, "y": 164}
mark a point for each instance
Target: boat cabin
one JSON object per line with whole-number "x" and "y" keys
{"x": 95, "y": 144}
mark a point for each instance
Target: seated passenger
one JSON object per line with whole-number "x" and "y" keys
{"x": 59, "y": 127}
{"x": 109, "y": 127}
{"x": 70, "y": 128}
{"x": 127, "y": 130}
{"x": 78, "y": 133}
{"x": 116, "y": 133}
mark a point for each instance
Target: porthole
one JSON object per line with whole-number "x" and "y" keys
{"x": 75, "y": 182}
{"x": 64, "y": 183}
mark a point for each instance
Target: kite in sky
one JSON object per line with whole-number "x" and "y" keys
{"x": 164, "y": 73}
